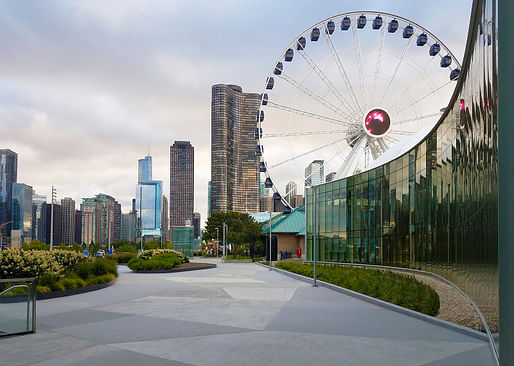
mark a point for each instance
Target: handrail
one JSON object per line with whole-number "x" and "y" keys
{"x": 31, "y": 291}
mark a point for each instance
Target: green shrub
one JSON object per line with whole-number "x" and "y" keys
{"x": 122, "y": 257}
{"x": 43, "y": 289}
{"x": 157, "y": 262}
{"x": 399, "y": 289}
{"x": 126, "y": 249}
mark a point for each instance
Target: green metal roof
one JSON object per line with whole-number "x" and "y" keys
{"x": 292, "y": 223}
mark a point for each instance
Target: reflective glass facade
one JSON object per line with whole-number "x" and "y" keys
{"x": 148, "y": 206}
{"x": 435, "y": 207}
{"x": 21, "y": 214}
{"x": 8, "y": 176}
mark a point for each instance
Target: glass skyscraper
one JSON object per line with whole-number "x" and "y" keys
{"x": 148, "y": 200}
{"x": 39, "y": 217}
{"x": 21, "y": 214}
{"x": 8, "y": 176}
{"x": 314, "y": 173}
{"x": 234, "y": 165}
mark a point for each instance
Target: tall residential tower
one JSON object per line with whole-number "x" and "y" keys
{"x": 182, "y": 185}
{"x": 234, "y": 165}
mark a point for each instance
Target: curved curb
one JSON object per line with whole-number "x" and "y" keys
{"x": 74, "y": 291}
{"x": 203, "y": 266}
{"x": 399, "y": 309}
{"x": 55, "y": 294}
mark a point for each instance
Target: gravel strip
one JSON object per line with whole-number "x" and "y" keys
{"x": 454, "y": 307}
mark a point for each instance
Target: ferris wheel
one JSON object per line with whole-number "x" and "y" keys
{"x": 347, "y": 91}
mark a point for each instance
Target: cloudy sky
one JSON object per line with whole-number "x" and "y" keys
{"x": 88, "y": 86}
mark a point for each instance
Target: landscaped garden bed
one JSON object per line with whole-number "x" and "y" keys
{"x": 399, "y": 289}
{"x": 58, "y": 271}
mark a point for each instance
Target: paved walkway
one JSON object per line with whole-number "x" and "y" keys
{"x": 236, "y": 314}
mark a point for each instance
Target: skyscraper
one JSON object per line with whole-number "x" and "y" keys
{"x": 117, "y": 221}
{"x": 21, "y": 231}
{"x": 234, "y": 165}
{"x": 67, "y": 221}
{"x": 98, "y": 219}
{"x": 181, "y": 183}
{"x": 148, "y": 200}
{"x": 290, "y": 192}
{"x": 56, "y": 229}
{"x": 128, "y": 226}
{"x": 8, "y": 176}
{"x": 78, "y": 226}
{"x": 165, "y": 222}
{"x": 314, "y": 173}
{"x": 144, "y": 169}
{"x": 39, "y": 217}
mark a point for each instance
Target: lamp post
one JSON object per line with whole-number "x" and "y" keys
{"x": 270, "y": 259}
{"x": 225, "y": 228}
{"x": 314, "y": 231}
{"x": 217, "y": 240}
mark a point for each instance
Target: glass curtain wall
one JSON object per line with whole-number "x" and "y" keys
{"x": 435, "y": 207}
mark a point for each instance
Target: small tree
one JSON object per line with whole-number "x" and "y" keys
{"x": 242, "y": 228}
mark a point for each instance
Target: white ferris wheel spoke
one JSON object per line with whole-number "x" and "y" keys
{"x": 308, "y": 133}
{"x": 397, "y": 68}
{"x": 406, "y": 121}
{"x": 310, "y": 114}
{"x": 357, "y": 42}
{"x": 425, "y": 96}
{"x": 308, "y": 152}
{"x": 313, "y": 95}
{"x": 305, "y": 55}
{"x": 342, "y": 71}
{"x": 378, "y": 63}
{"x": 349, "y": 162}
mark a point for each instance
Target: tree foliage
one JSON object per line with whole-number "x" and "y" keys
{"x": 242, "y": 228}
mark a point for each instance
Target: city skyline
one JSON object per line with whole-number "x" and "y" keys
{"x": 147, "y": 77}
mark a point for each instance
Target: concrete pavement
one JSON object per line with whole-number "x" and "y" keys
{"x": 236, "y": 314}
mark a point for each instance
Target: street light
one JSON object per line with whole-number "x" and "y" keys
{"x": 270, "y": 259}
{"x": 217, "y": 240}
{"x": 314, "y": 233}
{"x": 225, "y": 229}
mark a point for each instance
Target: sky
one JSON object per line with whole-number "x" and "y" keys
{"x": 89, "y": 87}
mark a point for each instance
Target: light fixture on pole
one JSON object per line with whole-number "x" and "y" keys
{"x": 217, "y": 240}
{"x": 314, "y": 249}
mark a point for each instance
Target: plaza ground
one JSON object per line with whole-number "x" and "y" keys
{"x": 236, "y": 314}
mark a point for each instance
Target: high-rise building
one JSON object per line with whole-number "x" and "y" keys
{"x": 21, "y": 231}
{"x": 38, "y": 217}
{"x": 330, "y": 177}
{"x": 144, "y": 169}
{"x": 8, "y": 176}
{"x": 56, "y": 230}
{"x": 314, "y": 173}
{"x": 290, "y": 192}
{"x": 181, "y": 183}
{"x": 234, "y": 164}
{"x": 98, "y": 219}
{"x": 165, "y": 223}
{"x": 196, "y": 225}
{"x": 298, "y": 201}
{"x": 128, "y": 227}
{"x": 117, "y": 221}
{"x": 67, "y": 221}
{"x": 266, "y": 204}
{"x": 78, "y": 226}
{"x": 148, "y": 200}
